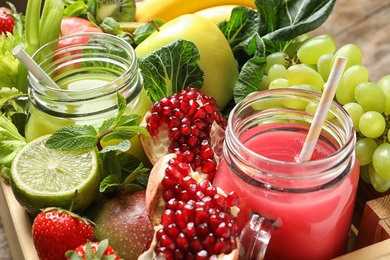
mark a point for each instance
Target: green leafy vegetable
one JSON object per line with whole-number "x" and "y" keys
{"x": 272, "y": 28}
{"x": 171, "y": 68}
{"x": 10, "y": 144}
{"x": 9, "y": 65}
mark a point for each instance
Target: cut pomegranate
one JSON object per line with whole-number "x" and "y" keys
{"x": 189, "y": 124}
{"x": 193, "y": 219}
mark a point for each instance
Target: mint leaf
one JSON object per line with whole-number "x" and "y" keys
{"x": 107, "y": 125}
{"x": 124, "y": 132}
{"x": 110, "y": 164}
{"x": 122, "y": 172}
{"x": 110, "y": 184}
{"x": 73, "y": 138}
{"x": 122, "y": 147}
{"x": 130, "y": 120}
{"x": 122, "y": 105}
{"x": 170, "y": 69}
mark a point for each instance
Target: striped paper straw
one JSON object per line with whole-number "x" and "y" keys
{"x": 33, "y": 67}
{"x": 323, "y": 108}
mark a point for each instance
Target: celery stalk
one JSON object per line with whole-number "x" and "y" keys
{"x": 39, "y": 29}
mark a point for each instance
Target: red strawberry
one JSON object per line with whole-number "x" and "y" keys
{"x": 7, "y": 22}
{"x": 93, "y": 250}
{"x": 56, "y": 231}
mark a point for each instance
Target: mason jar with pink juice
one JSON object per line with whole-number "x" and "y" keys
{"x": 289, "y": 209}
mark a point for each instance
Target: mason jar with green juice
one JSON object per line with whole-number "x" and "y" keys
{"x": 89, "y": 69}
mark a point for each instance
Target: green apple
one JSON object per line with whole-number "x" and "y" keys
{"x": 216, "y": 57}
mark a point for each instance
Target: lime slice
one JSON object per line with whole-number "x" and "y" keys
{"x": 42, "y": 177}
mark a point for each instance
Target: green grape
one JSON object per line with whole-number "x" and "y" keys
{"x": 307, "y": 87}
{"x": 381, "y": 160}
{"x": 365, "y": 148}
{"x": 355, "y": 111}
{"x": 379, "y": 184}
{"x": 296, "y": 44}
{"x": 301, "y": 74}
{"x": 279, "y": 83}
{"x": 277, "y": 71}
{"x": 384, "y": 85}
{"x": 312, "y": 108}
{"x": 388, "y": 135}
{"x": 370, "y": 97}
{"x": 372, "y": 124}
{"x": 352, "y": 77}
{"x": 350, "y": 51}
{"x": 276, "y": 58}
{"x": 324, "y": 65}
{"x": 364, "y": 174}
{"x": 264, "y": 83}
{"x": 312, "y": 49}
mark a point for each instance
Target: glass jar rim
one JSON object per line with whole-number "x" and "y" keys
{"x": 132, "y": 65}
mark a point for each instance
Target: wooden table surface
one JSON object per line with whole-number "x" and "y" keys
{"x": 362, "y": 22}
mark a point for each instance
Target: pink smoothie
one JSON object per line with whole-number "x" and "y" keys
{"x": 312, "y": 225}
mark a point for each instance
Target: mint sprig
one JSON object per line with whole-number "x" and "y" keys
{"x": 120, "y": 127}
{"x": 120, "y": 171}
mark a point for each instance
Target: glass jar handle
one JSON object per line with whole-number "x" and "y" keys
{"x": 255, "y": 237}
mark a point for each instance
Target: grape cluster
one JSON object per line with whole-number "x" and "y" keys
{"x": 307, "y": 63}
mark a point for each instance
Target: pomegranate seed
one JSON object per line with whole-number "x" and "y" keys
{"x": 172, "y": 231}
{"x": 203, "y": 230}
{"x": 207, "y": 153}
{"x": 196, "y": 245}
{"x": 202, "y": 255}
{"x": 168, "y": 217}
{"x": 185, "y": 130}
{"x": 168, "y": 194}
{"x": 220, "y": 201}
{"x": 214, "y": 223}
{"x": 200, "y": 216}
{"x": 182, "y": 243}
{"x": 222, "y": 230}
{"x": 220, "y": 247}
{"x": 209, "y": 242}
{"x": 190, "y": 231}
{"x": 167, "y": 242}
{"x": 174, "y": 133}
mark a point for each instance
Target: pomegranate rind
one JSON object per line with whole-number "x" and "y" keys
{"x": 155, "y": 147}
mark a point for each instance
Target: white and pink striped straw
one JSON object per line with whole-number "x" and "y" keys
{"x": 323, "y": 108}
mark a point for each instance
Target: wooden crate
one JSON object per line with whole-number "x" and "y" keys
{"x": 372, "y": 221}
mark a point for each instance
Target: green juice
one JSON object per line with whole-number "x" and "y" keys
{"x": 41, "y": 121}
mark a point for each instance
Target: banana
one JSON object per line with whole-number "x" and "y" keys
{"x": 216, "y": 13}
{"x": 170, "y": 9}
